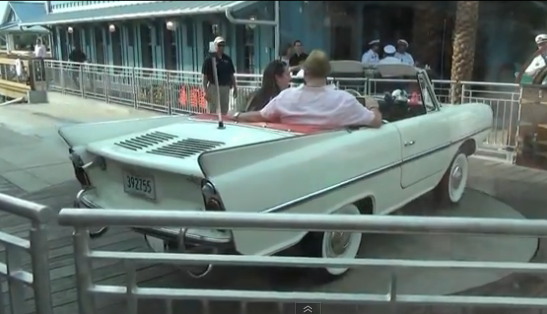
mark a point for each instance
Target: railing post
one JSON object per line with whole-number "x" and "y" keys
{"x": 103, "y": 73}
{"x": 135, "y": 89}
{"x": 83, "y": 271}
{"x": 462, "y": 97}
{"x": 107, "y": 72}
{"x": 16, "y": 288}
{"x": 63, "y": 87}
{"x": 82, "y": 80}
{"x": 39, "y": 252}
{"x": 167, "y": 92}
{"x": 393, "y": 292}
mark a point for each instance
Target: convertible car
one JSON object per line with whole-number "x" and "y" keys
{"x": 189, "y": 163}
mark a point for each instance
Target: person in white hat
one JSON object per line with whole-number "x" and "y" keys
{"x": 371, "y": 57}
{"x": 225, "y": 71}
{"x": 540, "y": 61}
{"x": 389, "y": 56}
{"x": 401, "y": 54}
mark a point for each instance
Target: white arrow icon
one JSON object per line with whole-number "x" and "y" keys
{"x": 308, "y": 309}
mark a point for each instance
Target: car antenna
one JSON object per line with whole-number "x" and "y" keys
{"x": 213, "y": 51}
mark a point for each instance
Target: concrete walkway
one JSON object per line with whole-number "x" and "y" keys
{"x": 32, "y": 155}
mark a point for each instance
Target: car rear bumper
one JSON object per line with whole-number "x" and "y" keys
{"x": 184, "y": 238}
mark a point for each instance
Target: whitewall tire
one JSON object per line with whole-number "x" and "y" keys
{"x": 333, "y": 245}
{"x": 452, "y": 186}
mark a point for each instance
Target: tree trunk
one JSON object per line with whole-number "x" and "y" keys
{"x": 465, "y": 33}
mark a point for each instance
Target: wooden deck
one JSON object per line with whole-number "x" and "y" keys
{"x": 522, "y": 188}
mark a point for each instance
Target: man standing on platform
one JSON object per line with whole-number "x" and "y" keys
{"x": 77, "y": 56}
{"x": 298, "y": 57}
{"x": 225, "y": 72}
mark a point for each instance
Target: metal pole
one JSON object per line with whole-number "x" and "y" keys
{"x": 274, "y": 23}
{"x": 83, "y": 271}
{"x": 284, "y": 221}
{"x": 277, "y": 31}
{"x": 39, "y": 252}
{"x": 213, "y": 51}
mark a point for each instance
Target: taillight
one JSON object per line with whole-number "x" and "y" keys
{"x": 81, "y": 176}
{"x": 79, "y": 172}
{"x": 213, "y": 205}
{"x": 211, "y": 198}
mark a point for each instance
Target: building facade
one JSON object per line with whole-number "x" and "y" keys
{"x": 139, "y": 33}
{"x": 135, "y": 33}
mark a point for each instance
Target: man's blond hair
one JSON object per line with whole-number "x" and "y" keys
{"x": 317, "y": 64}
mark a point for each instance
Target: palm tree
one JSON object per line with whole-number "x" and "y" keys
{"x": 465, "y": 33}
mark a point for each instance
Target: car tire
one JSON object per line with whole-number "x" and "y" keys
{"x": 322, "y": 244}
{"x": 452, "y": 186}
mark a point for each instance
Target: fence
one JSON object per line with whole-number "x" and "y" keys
{"x": 179, "y": 92}
{"x": 13, "y": 270}
{"x": 82, "y": 219}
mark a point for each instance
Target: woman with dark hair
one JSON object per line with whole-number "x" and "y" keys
{"x": 275, "y": 78}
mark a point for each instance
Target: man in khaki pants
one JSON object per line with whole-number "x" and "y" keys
{"x": 225, "y": 71}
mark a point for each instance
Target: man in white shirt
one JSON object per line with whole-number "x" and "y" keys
{"x": 316, "y": 103}
{"x": 389, "y": 56}
{"x": 39, "y": 49}
{"x": 371, "y": 57}
{"x": 401, "y": 54}
{"x": 539, "y": 62}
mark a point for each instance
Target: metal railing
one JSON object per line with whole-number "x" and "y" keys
{"x": 82, "y": 219}
{"x": 180, "y": 92}
{"x": 37, "y": 246}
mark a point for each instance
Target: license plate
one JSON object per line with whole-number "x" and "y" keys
{"x": 139, "y": 185}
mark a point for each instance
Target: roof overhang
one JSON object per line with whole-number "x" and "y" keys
{"x": 140, "y": 11}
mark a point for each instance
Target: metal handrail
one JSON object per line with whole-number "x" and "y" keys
{"x": 81, "y": 219}
{"x": 259, "y": 76}
{"x": 37, "y": 246}
{"x": 84, "y": 217}
{"x": 26, "y": 209}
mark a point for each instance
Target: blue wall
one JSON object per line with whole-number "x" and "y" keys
{"x": 305, "y": 21}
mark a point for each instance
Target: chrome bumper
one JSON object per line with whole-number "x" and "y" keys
{"x": 182, "y": 237}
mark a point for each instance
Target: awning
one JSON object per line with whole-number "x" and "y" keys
{"x": 139, "y": 11}
{"x": 13, "y": 27}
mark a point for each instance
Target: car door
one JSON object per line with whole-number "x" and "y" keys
{"x": 424, "y": 139}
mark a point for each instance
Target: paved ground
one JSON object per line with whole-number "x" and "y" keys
{"x": 32, "y": 155}
{"x": 33, "y": 165}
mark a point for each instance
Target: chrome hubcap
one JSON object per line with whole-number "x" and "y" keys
{"x": 339, "y": 242}
{"x": 456, "y": 177}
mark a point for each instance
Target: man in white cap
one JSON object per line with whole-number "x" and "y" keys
{"x": 389, "y": 56}
{"x": 225, "y": 71}
{"x": 401, "y": 54}
{"x": 371, "y": 57}
{"x": 540, "y": 61}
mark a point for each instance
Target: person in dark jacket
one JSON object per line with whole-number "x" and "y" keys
{"x": 78, "y": 57}
{"x": 298, "y": 57}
